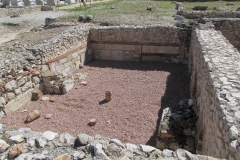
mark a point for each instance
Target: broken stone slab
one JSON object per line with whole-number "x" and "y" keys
{"x": 99, "y": 154}
{"x": 3, "y": 146}
{"x": 16, "y": 139}
{"x": 147, "y": 149}
{"x": 117, "y": 142}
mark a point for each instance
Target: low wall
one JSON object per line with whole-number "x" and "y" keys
{"x": 210, "y": 14}
{"x": 214, "y": 67}
{"x": 230, "y": 29}
{"x": 152, "y": 43}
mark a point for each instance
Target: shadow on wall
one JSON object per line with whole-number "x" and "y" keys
{"x": 177, "y": 87}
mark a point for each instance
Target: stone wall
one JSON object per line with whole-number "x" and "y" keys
{"x": 151, "y": 43}
{"x": 230, "y": 29}
{"x": 210, "y": 14}
{"x": 214, "y": 67}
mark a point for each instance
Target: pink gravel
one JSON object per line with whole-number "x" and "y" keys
{"x": 139, "y": 92}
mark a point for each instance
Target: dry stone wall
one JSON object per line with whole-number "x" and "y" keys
{"x": 229, "y": 28}
{"x": 149, "y": 43}
{"x": 214, "y": 67}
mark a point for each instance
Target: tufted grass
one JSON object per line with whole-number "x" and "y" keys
{"x": 137, "y": 7}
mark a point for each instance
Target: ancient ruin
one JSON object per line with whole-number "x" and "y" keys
{"x": 207, "y": 123}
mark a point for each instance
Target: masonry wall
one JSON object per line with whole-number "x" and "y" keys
{"x": 214, "y": 67}
{"x": 230, "y": 29}
{"x": 152, "y": 43}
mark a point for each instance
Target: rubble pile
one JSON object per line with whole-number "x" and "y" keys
{"x": 178, "y": 127}
{"x": 60, "y": 83}
{"x": 27, "y": 144}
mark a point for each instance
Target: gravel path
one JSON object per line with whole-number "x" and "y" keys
{"x": 25, "y": 22}
{"x": 139, "y": 91}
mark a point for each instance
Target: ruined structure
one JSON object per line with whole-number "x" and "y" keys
{"x": 210, "y": 48}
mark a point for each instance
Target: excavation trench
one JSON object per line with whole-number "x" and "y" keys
{"x": 140, "y": 91}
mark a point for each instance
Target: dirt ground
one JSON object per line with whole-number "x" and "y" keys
{"x": 139, "y": 93}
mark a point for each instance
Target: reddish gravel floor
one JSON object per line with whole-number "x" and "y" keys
{"x": 139, "y": 90}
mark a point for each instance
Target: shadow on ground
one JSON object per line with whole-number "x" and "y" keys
{"x": 177, "y": 83}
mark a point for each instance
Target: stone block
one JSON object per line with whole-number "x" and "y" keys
{"x": 176, "y": 50}
{"x": 95, "y": 46}
{"x": 101, "y": 46}
{"x": 153, "y": 59}
{"x": 48, "y": 89}
{"x": 146, "y": 49}
{"x": 67, "y": 64}
{"x": 11, "y": 85}
{"x": 126, "y": 47}
{"x": 108, "y": 46}
{"x": 75, "y": 54}
{"x": 48, "y": 84}
{"x": 132, "y": 47}
{"x": 118, "y": 55}
{"x": 44, "y": 68}
{"x": 138, "y": 49}
{"x": 74, "y": 60}
{"x": 154, "y": 49}
{"x": 162, "y": 49}
{"x": 52, "y": 66}
{"x": 117, "y": 47}
{"x": 63, "y": 60}
{"x": 82, "y": 58}
{"x": 170, "y": 50}
{"x": 105, "y": 55}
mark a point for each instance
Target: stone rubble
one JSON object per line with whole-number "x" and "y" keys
{"x": 48, "y": 145}
{"x": 177, "y": 127}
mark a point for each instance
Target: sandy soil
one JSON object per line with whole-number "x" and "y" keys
{"x": 139, "y": 90}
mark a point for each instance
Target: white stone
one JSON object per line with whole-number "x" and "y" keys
{"x": 232, "y": 146}
{"x": 68, "y": 85}
{"x": 24, "y": 130}
{"x": 31, "y": 142}
{"x": 99, "y": 153}
{"x": 49, "y": 135}
{"x": 40, "y": 143}
{"x": 2, "y": 101}
{"x": 237, "y": 114}
{"x": 66, "y": 138}
{"x": 131, "y": 147}
{"x": 117, "y": 142}
{"x": 10, "y": 96}
{"x": 146, "y": 148}
{"x": 168, "y": 153}
{"x": 223, "y": 79}
{"x": 233, "y": 132}
{"x": 236, "y": 94}
{"x": 10, "y": 86}
{"x": 3, "y": 146}
{"x": 16, "y": 139}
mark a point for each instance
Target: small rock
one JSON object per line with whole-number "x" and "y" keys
{"x": 40, "y": 143}
{"x": 89, "y": 18}
{"x": 81, "y": 18}
{"x": 49, "y": 135}
{"x": 146, "y": 148}
{"x": 131, "y": 147}
{"x": 3, "y": 146}
{"x": 99, "y": 153}
{"x": 44, "y": 98}
{"x": 149, "y": 8}
{"x": 117, "y": 142}
{"x": 63, "y": 157}
{"x": 82, "y": 140}
{"x": 48, "y": 116}
{"x": 84, "y": 83}
{"x": 36, "y": 95}
{"x": 16, "y": 150}
{"x": 16, "y": 139}
{"x": 32, "y": 116}
{"x": 66, "y": 138}
{"x": 52, "y": 99}
{"x": 92, "y": 122}
{"x": 31, "y": 142}
{"x": 24, "y": 130}
{"x": 179, "y": 18}
{"x": 78, "y": 155}
{"x": 168, "y": 153}
{"x": 233, "y": 131}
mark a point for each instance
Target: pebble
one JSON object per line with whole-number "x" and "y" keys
{"x": 48, "y": 116}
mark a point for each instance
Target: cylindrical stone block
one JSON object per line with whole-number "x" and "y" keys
{"x": 108, "y": 96}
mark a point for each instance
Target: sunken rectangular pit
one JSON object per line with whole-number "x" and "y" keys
{"x": 139, "y": 93}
